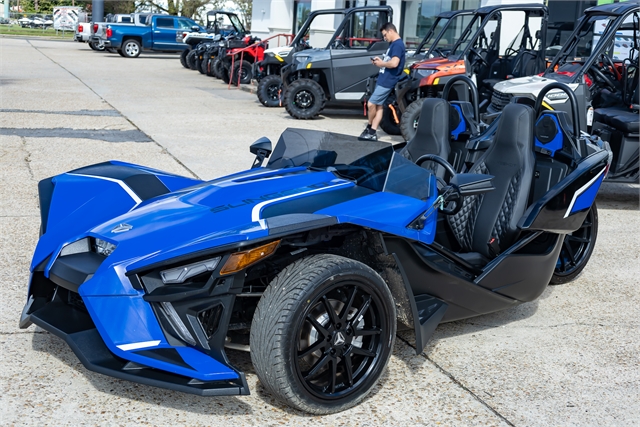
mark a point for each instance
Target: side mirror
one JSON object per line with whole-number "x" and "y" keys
{"x": 262, "y": 149}
{"x": 470, "y": 184}
{"x": 195, "y": 28}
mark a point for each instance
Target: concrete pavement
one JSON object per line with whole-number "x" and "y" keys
{"x": 569, "y": 358}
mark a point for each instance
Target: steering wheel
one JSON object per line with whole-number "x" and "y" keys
{"x": 606, "y": 59}
{"x": 450, "y": 192}
{"x": 599, "y": 75}
{"x": 478, "y": 57}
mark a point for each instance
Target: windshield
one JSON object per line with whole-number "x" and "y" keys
{"x": 468, "y": 34}
{"x": 370, "y": 164}
{"x": 444, "y": 40}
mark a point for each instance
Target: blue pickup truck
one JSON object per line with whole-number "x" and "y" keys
{"x": 162, "y": 33}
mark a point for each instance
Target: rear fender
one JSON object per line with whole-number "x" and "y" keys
{"x": 564, "y": 207}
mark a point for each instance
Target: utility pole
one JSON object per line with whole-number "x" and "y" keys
{"x": 97, "y": 10}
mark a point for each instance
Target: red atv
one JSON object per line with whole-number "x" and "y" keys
{"x": 238, "y": 62}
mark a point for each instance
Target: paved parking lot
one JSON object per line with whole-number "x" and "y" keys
{"x": 569, "y": 358}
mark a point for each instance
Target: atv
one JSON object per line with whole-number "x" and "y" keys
{"x": 309, "y": 262}
{"x": 219, "y": 22}
{"x": 603, "y": 77}
{"x": 267, "y": 72}
{"x": 337, "y": 74}
{"x": 480, "y": 53}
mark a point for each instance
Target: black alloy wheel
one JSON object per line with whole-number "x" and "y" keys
{"x": 326, "y": 325}
{"x": 243, "y": 70}
{"x": 304, "y": 99}
{"x": 410, "y": 118}
{"x": 577, "y": 248}
{"x": 270, "y": 91}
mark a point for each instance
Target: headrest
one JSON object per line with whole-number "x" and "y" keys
{"x": 515, "y": 129}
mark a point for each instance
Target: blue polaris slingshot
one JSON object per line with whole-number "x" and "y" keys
{"x": 311, "y": 261}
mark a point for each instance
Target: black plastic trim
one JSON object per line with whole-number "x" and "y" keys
{"x": 71, "y": 271}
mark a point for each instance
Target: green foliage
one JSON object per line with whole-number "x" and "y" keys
{"x": 46, "y": 6}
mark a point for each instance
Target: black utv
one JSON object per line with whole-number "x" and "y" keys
{"x": 337, "y": 74}
{"x": 267, "y": 72}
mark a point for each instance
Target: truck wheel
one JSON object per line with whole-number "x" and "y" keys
{"x": 97, "y": 47}
{"x": 183, "y": 58}
{"x": 322, "y": 333}
{"x": 131, "y": 48}
{"x": 304, "y": 99}
{"x": 242, "y": 70}
{"x": 388, "y": 123}
{"x": 191, "y": 59}
{"x": 577, "y": 248}
{"x": 121, "y": 53}
{"x": 410, "y": 118}
{"x": 270, "y": 91}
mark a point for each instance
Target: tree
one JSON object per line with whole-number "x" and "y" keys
{"x": 245, "y": 7}
{"x": 188, "y": 8}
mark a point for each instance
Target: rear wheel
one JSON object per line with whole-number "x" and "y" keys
{"x": 270, "y": 91}
{"x": 121, "y": 53}
{"x": 410, "y": 118}
{"x": 388, "y": 123}
{"x": 183, "y": 58}
{"x": 322, "y": 333}
{"x": 304, "y": 99}
{"x": 204, "y": 65}
{"x": 242, "y": 70}
{"x": 577, "y": 248}
{"x": 131, "y": 48}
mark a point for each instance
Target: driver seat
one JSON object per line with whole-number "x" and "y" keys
{"x": 487, "y": 223}
{"x": 432, "y": 135}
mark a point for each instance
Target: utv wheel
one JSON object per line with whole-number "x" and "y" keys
{"x": 388, "y": 123}
{"x": 322, "y": 333}
{"x": 191, "y": 59}
{"x": 270, "y": 91}
{"x": 204, "y": 62}
{"x": 304, "y": 99}
{"x": 242, "y": 70}
{"x": 131, "y": 48}
{"x": 410, "y": 118}
{"x": 183, "y": 58}
{"x": 217, "y": 68}
{"x": 577, "y": 249}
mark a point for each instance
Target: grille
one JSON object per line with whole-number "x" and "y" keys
{"x": 210, "y": 320}
{"x": 499, "y": 100}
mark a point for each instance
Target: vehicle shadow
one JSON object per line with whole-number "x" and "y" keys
{"x": 224, "y": 405}
{"x": 619, "y": 196}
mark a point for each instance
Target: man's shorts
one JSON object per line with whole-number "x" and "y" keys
{"x": 380, "y": 94}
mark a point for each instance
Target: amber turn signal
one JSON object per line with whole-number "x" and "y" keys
{"x": 241, "y": 260}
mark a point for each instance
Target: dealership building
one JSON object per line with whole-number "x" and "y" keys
{"x": 413, "y": 18}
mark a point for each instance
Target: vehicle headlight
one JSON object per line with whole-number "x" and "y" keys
{"x": 284, "y": 53}
{"x": 424, "y": 73}
{"x": 302, "y": 59}
{"x": 103, "y": 247}
{"x": 180, "y": 274}
{"x": 77, "y": 247}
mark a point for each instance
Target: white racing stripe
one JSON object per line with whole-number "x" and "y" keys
{"x": 582, "y": 190}
{"x": 138, "y": 345}
{"x": 255, "y": 212}
{"x": 124, "y": 186}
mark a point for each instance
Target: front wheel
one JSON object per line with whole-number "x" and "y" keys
{"x": 131, "y": 48}
{"x": 323, "y": 333}
{"x": 183, "y": 58}
{"x": 217, "y": 68}
{"x": 410, "y": 118}
{"x": 304, "y": 99}
{"x": 577, "y": 248}
{"x": 388, "y": 122}
{"x": 243, "y": 71}
{"x": 191, "y": 59}
{"x": 270, "y": 91}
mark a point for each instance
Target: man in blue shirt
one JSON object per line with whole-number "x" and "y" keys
{"x": 391, "y": 68}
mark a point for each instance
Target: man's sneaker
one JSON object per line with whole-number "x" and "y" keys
{"x": 366, "y": 136}
{"x": 364, "y": 133}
